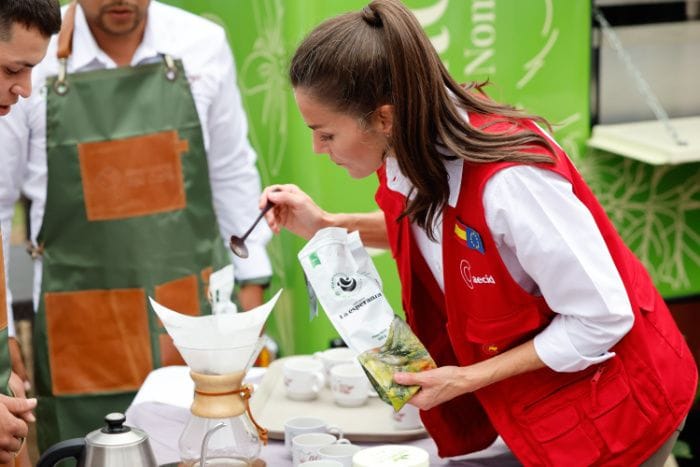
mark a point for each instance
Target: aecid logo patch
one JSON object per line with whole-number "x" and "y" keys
{"x": 470, "y": 279}
{"x": 344, "y": 284}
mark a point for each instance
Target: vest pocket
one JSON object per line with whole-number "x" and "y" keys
{"x": 617, "y": 416}
{"x": 494, "y": 336}
{"x": 563, "y": 439}
{"x": 655, "y": 312}
{"x": 587, "y": 418}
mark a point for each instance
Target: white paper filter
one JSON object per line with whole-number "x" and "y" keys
{"x": 216, "y": 344}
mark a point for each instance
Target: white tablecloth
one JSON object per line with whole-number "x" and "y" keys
{"x": 162, "y": 406}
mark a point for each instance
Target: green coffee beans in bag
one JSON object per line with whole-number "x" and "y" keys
{"x": 402, "y": 352}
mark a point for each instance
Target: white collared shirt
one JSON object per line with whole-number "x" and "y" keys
{"x": 541, "y": 229}
{"x": 208, "y": 62}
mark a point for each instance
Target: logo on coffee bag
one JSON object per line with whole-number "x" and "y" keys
{"x": 345, "y": 284}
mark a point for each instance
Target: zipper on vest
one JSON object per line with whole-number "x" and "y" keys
{"x": 594, "y": 385}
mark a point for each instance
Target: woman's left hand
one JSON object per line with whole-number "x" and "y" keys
{"x": 439, "y": 385}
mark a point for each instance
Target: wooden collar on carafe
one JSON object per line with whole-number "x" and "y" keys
{"x": 223, "y": 396}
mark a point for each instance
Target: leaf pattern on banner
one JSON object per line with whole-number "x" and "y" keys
{"x": 651, "y": 207}
{"x": 263, "y": 73}
{"x": 536, "y": 63}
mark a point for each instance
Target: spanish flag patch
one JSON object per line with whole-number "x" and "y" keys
{"x": 469, "y": 236}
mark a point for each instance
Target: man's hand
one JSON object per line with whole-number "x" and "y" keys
{"x": 17, "y": 386}
{"x": 13, "y": 428}
{"x": 249, "y": 296}
{"x": 20, "y": 407}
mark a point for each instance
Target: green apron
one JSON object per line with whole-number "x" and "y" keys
{"x": 129, "y": 215}
{"x": 5, "y": 363}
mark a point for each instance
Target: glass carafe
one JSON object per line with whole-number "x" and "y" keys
{"x": 220, "y": 432}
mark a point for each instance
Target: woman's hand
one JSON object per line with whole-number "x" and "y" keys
{"x": 447, "y": 382}
{"x": 294, "y": 210}
{"x": 440, "y": 384}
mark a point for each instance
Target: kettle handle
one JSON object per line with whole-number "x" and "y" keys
{"x": 65, "y": 449}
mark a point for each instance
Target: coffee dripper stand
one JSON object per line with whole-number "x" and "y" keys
{"x": 221, "y": 430}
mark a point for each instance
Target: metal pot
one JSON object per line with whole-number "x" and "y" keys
{"x": 115, "y": 445}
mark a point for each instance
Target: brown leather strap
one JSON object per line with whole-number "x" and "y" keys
{"x": 65, "y": 36}
{"x": 246, "y": 393}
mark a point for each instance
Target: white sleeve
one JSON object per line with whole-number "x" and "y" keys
{"x": 14, "y": 135}
{"x": 548, "y": 237}
{"x": 6, "y": 227}
{"x": 235, "y": 181}
{"x": 35, "y": 179}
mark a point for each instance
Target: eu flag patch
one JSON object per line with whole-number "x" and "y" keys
{"x": 470, "y": 236}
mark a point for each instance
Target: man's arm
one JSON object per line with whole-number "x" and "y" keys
{"x": 234, "y": 178}
{"x": 14, "y": 139}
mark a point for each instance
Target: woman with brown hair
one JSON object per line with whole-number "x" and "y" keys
{"x": 545, "y": 327}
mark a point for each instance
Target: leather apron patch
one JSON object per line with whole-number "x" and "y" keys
{"x": 98, "y": 340}
{"x": 132, "y": 177}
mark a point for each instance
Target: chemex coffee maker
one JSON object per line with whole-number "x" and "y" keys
{"x": 221, "y": 430}
{"x": 219, "y": 350}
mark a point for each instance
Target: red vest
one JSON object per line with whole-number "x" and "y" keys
{"x": 618, "y": 412}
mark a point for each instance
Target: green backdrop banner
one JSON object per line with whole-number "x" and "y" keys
{"x": 537, "y": 55}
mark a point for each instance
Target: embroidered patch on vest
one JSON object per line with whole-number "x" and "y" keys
{"x": 465, "y": 269}
{"x": 470, "y": 236}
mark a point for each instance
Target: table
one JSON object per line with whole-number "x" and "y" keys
{"x": 161, "y": 409}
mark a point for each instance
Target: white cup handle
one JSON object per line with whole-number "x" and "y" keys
{"x": 320, "y": 379}
{"x": 342, "y": 441}
{"x": 334, "y": 430}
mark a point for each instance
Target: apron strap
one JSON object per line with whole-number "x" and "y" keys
{"x": 65, "y": 36}
{"x": 65, "y": 47}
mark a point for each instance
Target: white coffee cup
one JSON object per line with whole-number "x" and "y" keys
{"x": 408, "y": 418}
{"x": 321, "y": 463}
{"x": 333, "y": 357}
{"x": 303, "y": 378}
{"x": 305, "y": 447}
{"x": 349, "y": 385}
{"x": 341, "y": 453}
{"x": 300, "y": 425}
